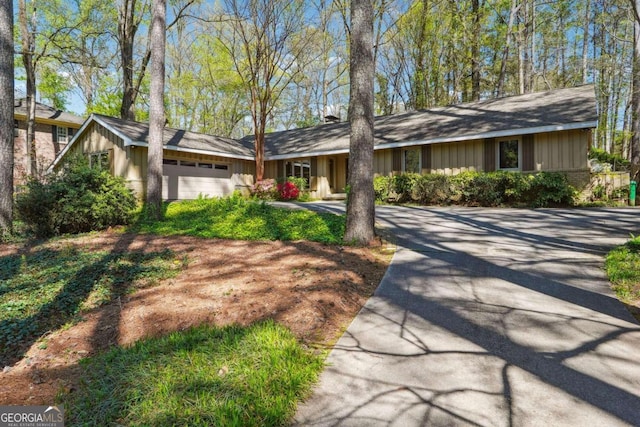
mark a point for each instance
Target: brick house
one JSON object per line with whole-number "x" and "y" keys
{"x": 53, "y": 131}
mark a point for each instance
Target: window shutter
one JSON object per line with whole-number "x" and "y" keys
{"x": 110, "y": 160}
{"x": 396, "y": 164}
{"x": 528, "y": 163}
{"x": 426, "y": 158}
{"x": 54, "y": 133}
{"x": 313, "y": 172}
{"x": 280, "y": 169}
{"x": 489, "y": 154}
{"x": 70, "y": 133}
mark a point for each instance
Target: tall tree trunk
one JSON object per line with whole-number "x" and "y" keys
{"x": 156, "y": 110}
{"x": 505, "y": 53}
{"x": 127, "y": 28}
{"x": 6, "y": 118}
{"x": 475, "y": 51}
{"x": 27, "y": 33}
{"x": 635, "y": 97}
{"x": 585, "y": 42}
{"x": 360, "y": 205}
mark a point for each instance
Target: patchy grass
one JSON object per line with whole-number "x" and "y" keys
{"x": 623, "y": 268}
{"x": 205, "y": 376}
{"x": 237, "y": 218}
{"x": 42, "y": 290}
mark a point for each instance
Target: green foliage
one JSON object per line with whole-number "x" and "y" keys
{"x": 617, "y": 162}
{"x": 265, "y": 189}
{"x": 53, "y": 86}
{"x": 551, "y": 189}
{"x": 432, "y": 189}
{"x": 402, "y": 185}
{"x": 382, "y": 188}
{"x": 45, "y": 288}
{"x": 623, "y": 269}
{"x": 478, "y": 189}
{"x": 237, "y": 218}
{"x": 78, "y": 199}
{"x": 300, "y": 183}
{"x": 204, "y": 376}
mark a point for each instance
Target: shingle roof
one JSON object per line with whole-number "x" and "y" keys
{"x": 135, "y": 133}
{"x": 571, "y": 108}
{"x": 46, "y": 112}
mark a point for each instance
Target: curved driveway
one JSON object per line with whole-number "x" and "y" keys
{"x": 489, "y": 317}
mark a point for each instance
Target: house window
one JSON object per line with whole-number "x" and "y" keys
{"x": 300, "y": 168}
{"x": 171, "y": 162}
{"x": 99, "y": 160}
{"x": 411, "y": 160}
{"x": 509, "y": 154}
{"x": 205, "y": 165}
{"x": 63, "y": 135}
{"x": 187, "y": 164}
{"x": 222, "y": 167}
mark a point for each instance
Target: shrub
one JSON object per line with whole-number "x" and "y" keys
{"x": 382, "y": 188}
{"x": 300, "y": 183}
{"x": 480, "y": 189}
{"x": 432, "y": 189}
{"x": 77, "y": 199}
{"x": 551, "y": 189}
{"x": 403, "y": 184}
{"x": 288, "y": 191}
{"x": 615, "y": 161}
{"x": 265, "y": 189}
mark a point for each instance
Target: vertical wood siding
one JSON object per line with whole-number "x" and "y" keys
{"x": 528, "y": 160}
{"x": 383, "y": 162}
{"x": 456, "y": 157}
{"x": 561, "y": 151}
{"x": 426, "y": 158}
{"x": 489, "y": 163}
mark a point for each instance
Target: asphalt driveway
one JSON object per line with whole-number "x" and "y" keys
{"x": 489, "y": 317}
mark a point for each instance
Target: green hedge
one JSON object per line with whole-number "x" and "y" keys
{"x": 477, "y": 189}
{"x": 76, "y": 200}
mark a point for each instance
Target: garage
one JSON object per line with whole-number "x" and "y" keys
{"x": 187, "y": 179}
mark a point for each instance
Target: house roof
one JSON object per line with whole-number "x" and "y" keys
{"x": 46, "y": 114}
{"x": 562, "y": 109}
{"x": 137, "y": 134}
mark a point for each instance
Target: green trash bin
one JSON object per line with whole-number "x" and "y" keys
{"x": 632, "y": 193}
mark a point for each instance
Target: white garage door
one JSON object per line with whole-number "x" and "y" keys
{"x": 183, "y": 179}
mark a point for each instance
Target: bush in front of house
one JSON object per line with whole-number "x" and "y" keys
{"x": 269, "y": 189}
{"x": 265, "y": 189}
{"x": 288, "y": 191}
{"x": 551, "y": 189}
{"x": 75, "y": 200}
{"x": 477, "y": 189}
{"x": 432, "y": 189}
{"x": 402, "y": 185}
{"x": 382, "y": 188}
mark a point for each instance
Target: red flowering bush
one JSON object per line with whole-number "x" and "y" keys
{"x": 288, "y": 191}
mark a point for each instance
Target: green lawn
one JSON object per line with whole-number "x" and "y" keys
{"x": 239, "y": 218}
{"x": 623, "y": 268}
{"x": 235, "y": 376}
{"x": 205, "y": 376}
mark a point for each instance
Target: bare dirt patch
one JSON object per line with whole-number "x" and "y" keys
{"x": 313, "y": 289}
